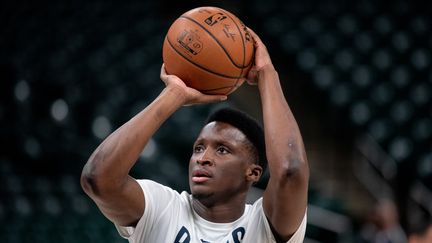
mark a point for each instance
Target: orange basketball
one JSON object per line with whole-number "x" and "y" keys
{"x": 210, "y": 49}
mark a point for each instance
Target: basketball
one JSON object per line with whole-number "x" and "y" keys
{"x": 210, "y": 49}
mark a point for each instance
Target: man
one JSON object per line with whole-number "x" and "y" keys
{"x": 224, "y": 164}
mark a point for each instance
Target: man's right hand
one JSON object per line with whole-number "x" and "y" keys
{"x": 262, "y": 61}
{"x": 189, "y": 95}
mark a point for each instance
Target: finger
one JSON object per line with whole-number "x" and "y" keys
{"x": 213, "y": 98}
{"x": 163, "y": 73}
{"x": 207, "y": 99}
{"x": 251, "y": 82}
{"x": 255, "y": 37}
{"x": 257, "y": 40}
{"x": 251, "y": 74}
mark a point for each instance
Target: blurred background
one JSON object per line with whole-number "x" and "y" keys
{"x": 357, "y": 75}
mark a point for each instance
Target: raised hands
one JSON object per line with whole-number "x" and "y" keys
{"x": 262, "y": 59}
{"x": 189, "y": 95}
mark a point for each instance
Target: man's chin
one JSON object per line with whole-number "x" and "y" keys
{"x": 200, "y": 195}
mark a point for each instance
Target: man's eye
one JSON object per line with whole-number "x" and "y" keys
{"x": 198, "y": 149}
{"x": 222, "y": 150}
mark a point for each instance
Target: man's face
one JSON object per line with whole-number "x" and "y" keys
{"x": 219, "y": 162}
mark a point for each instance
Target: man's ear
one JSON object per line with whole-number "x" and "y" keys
{"x": 254, "y": 173}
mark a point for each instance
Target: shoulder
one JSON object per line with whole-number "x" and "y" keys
{"x": 145, "y": 183}
{"x": 154, "y": 191}
{"x": 152, "y": 187}
{"x": 162, "y": 206}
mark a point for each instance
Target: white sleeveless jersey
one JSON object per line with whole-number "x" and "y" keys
{"x": 169, "y": 218}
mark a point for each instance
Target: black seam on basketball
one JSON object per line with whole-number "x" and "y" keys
{"x": 203, "y": 68}
{"x": 217, "y": 41}
{"x": 206, "y": 90}
{"x": 244, "y": 46}
{"x": 241, "y": 36}
{"x": 244, "y": 50}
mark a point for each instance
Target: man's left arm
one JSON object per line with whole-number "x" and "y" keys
{"x": 285, "y": 198}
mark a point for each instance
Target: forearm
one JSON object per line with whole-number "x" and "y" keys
{"x": 109, "y": 165}
{"x": 284, "y": 144}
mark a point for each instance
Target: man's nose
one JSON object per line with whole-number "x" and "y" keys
{"x": 205, "y": 158}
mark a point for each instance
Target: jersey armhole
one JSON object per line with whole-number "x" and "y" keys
{"x": 127, "y": 232}
{"x": 298, "y": 235}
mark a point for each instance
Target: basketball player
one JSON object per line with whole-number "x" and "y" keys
{"x": 227, "y": 159}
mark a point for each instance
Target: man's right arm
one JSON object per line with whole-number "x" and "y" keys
{"x": 105, "y": 177}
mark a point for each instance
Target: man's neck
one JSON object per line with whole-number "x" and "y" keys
{"x": 219, "y": 213}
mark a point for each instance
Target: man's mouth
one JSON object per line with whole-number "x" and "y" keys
{"x": 199, "y": 176}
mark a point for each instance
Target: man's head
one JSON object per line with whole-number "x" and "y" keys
{"x": 248, "y": 126}
{"x": 228, "y": 155}
{"x": 420, "y": 231}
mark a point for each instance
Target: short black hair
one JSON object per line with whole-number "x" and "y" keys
{"x": 249, "y": 126}
{"x": 420, "y": 226}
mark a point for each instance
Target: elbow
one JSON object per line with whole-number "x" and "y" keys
{"x": 288, "y": 163}
{"x": 90, "y": 182}
{"x": 297, "y": 168}
{"x": 294, "y": 169}
{"x": 92, "y": 179}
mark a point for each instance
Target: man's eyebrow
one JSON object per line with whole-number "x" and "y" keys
{"x": 225, "y": 142}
